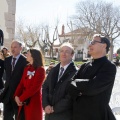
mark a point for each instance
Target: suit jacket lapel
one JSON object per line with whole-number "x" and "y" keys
{"x": 69, "y": 68}
{"x": 10, "y": 61}
{"x": 55, "y": 79}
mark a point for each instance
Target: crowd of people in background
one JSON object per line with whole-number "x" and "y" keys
{"x": 63, "y": 91}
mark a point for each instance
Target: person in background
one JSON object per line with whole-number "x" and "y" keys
{"x": 117, "y": 63}
{"x": 57, "y": 104}
{"x": 5, "y": 52}
{"x": 14, "y": 66}
{"x": 1, "y": 71}
{"x": 92, "y": 85}
{"x": 1, "y": 56}
{"x": 28, "y": 93}
{"x": 1, "y": 75}
{"x": 52, "y": 64}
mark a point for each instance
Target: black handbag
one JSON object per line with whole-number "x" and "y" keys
{"x": 22, "y": 114}
{"x": 26, "y": 102}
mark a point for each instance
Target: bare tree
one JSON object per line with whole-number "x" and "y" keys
{"x": 50, "y": 41}
{"x": 31, "y": 35}
{"x": 99, "y": 17}
{"x": 38, "y": 36}
{"x": 85, "y": 33}
{"x": 21, "y": 33}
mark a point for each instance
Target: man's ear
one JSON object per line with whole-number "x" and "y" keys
{"x": 72, "y": 55}
{"x": 104, "y": 46}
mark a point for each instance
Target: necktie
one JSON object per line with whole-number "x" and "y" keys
{"x": 13, "y": 63}
{"x": 61, "y": 72}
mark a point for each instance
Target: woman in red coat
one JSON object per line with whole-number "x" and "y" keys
{"x": 28, "y": 92}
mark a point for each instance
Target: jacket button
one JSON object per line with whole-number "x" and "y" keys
{"x": 80, "y": 94}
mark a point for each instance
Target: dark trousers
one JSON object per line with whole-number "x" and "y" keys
{"x": 10, "y": 110}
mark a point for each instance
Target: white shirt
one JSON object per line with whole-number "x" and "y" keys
{"x": 17, "y": 57}
{"x": 65, "y": 67}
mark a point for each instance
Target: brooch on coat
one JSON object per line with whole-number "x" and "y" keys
{"x": 30, "y": 74}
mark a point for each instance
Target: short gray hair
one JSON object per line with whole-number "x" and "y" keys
{"x": 67, "y": 44}
{"x": 19, "y": 42}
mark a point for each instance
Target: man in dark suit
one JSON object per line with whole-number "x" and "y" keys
{"x": 92, "y": 85}
{"x": 56, "y": 102}
{"x": 1, "y": 37}
{"x": 14, "y": 66}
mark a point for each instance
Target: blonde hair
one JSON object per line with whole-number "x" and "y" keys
{"x": 1, "y": 56}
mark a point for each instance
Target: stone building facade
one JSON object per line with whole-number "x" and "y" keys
{"x": 79, "y": 41}
{"x": 7, "y": 20}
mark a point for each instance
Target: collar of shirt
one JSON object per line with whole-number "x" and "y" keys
{"x": 17, "y": 57}
{"x": 65, "y": 67}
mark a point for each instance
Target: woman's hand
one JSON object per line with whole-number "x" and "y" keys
{"x": 19, "y": 103}
{"x": 49, "y": 109}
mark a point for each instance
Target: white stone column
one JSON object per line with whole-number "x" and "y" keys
{"x": 7, "y": 20}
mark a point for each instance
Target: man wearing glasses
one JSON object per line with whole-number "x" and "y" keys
{"x": 92, "y": 85}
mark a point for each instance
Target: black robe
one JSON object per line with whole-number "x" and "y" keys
{"x": 91, "y": 97}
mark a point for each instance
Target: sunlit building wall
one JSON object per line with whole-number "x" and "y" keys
{"x": 7, "y": 20}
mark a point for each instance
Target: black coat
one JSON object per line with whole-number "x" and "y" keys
{"x": 55, "y": 93}
{"x": 1, "y": 73}
{"x": 12, "y": 78}
{"x": 91, "y": 98}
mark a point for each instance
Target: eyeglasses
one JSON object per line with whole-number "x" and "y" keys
{"x": 95, "y": 41}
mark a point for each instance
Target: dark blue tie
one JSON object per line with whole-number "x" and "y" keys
{"x": 13, "y": 63}
{"x": 61, "y": 72}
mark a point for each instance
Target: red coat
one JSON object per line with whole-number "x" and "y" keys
{"x": 30, "y": 87}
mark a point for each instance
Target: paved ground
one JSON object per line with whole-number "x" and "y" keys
{"x": 0, "y": 118}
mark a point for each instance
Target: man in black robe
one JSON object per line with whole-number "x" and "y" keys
{"x": 1, "y": 37}
{"x": 92, "y": 85}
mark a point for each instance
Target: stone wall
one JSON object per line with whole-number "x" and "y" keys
{"x": 7, "y": 22}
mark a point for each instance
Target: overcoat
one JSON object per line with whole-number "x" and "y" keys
{"x": 55, "y": 93}
{"x": 12, "y": 77}
{"x": 30, "y": 88}
{"x": 1, "y": 74}
{"x": 91, "y": 93}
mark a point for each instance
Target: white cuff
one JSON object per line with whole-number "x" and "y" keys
{"x": 78, "y": 80}
{"x": 81, "y": 80}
